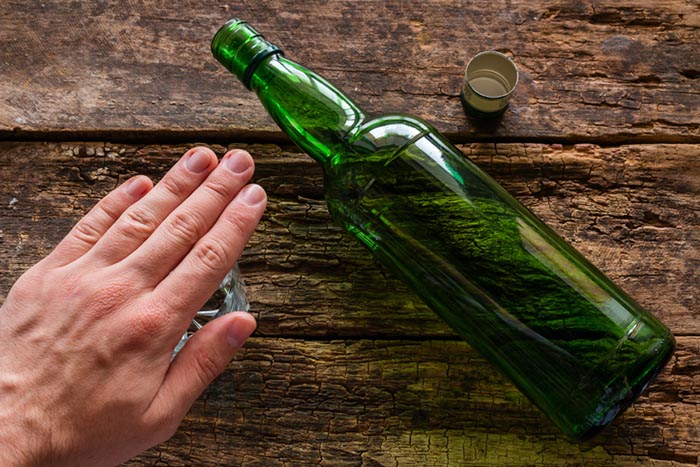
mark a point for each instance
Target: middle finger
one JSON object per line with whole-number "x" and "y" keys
{"x": 190, "y": 221}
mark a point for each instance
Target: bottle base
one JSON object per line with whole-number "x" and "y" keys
{"x": 624, "y": 389}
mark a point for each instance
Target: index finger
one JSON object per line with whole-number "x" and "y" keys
{"x": 88, "y": 231}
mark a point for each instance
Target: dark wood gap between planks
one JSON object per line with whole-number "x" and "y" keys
{"x": 264, "y": 137}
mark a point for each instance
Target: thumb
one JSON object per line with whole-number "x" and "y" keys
{"x": 205, "y": 357}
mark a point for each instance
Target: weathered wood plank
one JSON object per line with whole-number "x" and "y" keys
{"x": 388, "y": 395}
{"x": 286, "y": 402}
{"x": 633, "y": 210}
{"x": 603, "y": 72}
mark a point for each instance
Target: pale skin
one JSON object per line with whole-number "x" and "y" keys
{"x": 87, "y": 334}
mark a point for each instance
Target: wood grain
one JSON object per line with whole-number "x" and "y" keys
{"x": 601, "y": 141}
{"x": 600, "y": 72}
{"x": 342, "y": 373}
{"x": 633, "y": 210}
{"x": 286, "y": 402}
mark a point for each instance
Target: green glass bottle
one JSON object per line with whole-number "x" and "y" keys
{"x": 574, "y": 343}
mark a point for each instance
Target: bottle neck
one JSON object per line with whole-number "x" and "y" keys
{"x": 312, "y": 112}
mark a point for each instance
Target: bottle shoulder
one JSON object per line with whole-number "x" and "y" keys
{"x": 386, "y": 130}
{"x": 380, "y": 138}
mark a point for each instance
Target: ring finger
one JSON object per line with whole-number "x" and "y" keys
{"x": 190, "y": 221}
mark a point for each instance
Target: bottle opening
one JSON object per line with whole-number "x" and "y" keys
{"x": 240, "y": 48}
{"x": 224, "y": 36}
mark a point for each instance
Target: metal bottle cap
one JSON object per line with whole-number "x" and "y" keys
{"x": 489, "y": 82}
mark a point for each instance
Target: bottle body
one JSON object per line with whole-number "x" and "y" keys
{"x": 569, "y": 339}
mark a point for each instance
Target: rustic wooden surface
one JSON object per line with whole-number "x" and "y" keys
{"x": 602, "y": 142}
{"x": 625, "y": 71}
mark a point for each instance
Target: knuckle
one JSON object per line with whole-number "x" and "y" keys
{"x": 213, "y": 255}
{"x": 31, "y": 284}
{"x": 207, "y": 367}
{"x": 140, "y": 220}
{"x": 219, "y": 189}
{"x": 146, "y": 325}
{"x": 87, "y": 232}
{"x": 105, "y": 297}
{"x": 239, "y": 221}
{"x": 176, "y": 186}
{"x": 110, "y": 209}
{"x": 186, "y": 226}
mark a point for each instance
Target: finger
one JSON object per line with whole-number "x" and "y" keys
{"x": 195, "y": 279}
{"x": 190, "y": 221}
{"x": 141, "y": 219}
{"x": 87, "y": 232}
{"x": 203, "y": 358}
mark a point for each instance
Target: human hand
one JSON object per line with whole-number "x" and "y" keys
{"x": 87, "y": 334}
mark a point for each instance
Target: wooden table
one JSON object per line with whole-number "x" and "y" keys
{"x": 347, "y": 367}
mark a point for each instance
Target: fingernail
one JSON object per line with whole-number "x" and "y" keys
{"x": 198, "y": 160}
{"x": 239, "y": 331}
{"x": 252, "y": 195}
{"x": 237, "y": 161}
{"x": 137, "y": 186}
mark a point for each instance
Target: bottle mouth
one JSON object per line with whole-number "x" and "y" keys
{"x": 240, "y": 48}
{"x": 224, "y": 36}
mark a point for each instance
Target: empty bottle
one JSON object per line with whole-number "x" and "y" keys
{"x": 574, "y": 343}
